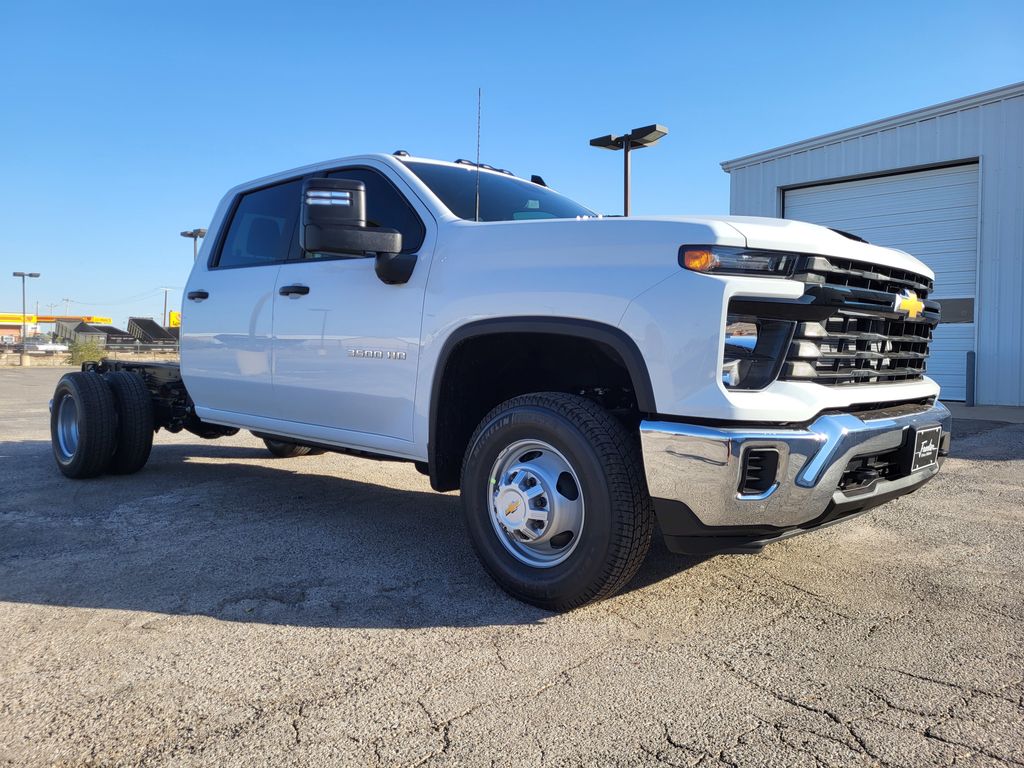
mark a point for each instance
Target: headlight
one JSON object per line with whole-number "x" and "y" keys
{"x": 727, "y": 260}
{"x": 753, "y": 350}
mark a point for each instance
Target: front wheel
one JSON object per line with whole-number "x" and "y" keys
{"x": 555, "y": 500}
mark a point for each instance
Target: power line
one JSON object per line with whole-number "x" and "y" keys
{"x": 119, "y": 302}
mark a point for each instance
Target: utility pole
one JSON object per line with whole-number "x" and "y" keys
{"x": 67, "y": 306}
{"x": 49, "y": 311}
{"x": 164, "y": 321}
{"x": 24, "y": 316}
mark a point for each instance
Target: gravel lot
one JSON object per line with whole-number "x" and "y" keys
{"x": 225, "y": 608}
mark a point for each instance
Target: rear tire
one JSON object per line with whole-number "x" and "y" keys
{"x": 134, "y": 422}
{"x": 577, "y": 473}
{"x": 282, "y": 449}
{"x": 83, "y": 424}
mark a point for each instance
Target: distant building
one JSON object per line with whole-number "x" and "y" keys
{"x": 10, "y": 327}
{"x": 10, "y": 333}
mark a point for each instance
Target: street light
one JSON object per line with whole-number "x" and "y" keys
{"x": 638, "y": 138}
{"x": 195, "y": 234}
{"x": 24, "y": 319}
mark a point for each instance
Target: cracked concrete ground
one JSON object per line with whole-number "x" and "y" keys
{"x": 225, "y": 608}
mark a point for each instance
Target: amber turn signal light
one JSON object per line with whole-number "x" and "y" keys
{"x": 699, "y": 260}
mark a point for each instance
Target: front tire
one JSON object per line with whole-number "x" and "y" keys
{"x": 82, "y": 425}
{"x": 555, "y": 500}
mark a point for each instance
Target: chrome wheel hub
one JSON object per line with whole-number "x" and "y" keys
{"x": 67, "y": 427}
{"x": 536, "y": 505}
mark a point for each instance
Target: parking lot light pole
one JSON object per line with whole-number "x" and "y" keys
{"x": 638, "y": 138}
{"x": 195, "y": 234}
{"x": 24, "y": 318}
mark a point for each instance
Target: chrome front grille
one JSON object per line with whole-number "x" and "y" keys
{"x": 865, "y": 340}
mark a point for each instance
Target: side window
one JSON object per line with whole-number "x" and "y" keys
{"x": 262, "y": 230}
{"x": 386, "y": 206}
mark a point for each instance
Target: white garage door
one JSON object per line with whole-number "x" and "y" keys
{"x": 930, "y": 214}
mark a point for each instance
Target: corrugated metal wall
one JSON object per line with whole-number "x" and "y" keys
{"x": 988, "y": 127}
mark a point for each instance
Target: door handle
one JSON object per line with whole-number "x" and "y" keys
{"x": 198, "y": 295}
{"x": 294, "y": 290}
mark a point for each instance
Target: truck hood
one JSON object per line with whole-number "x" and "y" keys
{"x": 801, "y": 237}
{"x": 638, "y": 232}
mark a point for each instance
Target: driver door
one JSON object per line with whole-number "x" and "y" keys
{"x": 346, "y": 345}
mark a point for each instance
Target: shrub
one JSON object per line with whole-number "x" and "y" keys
{"x": 83, "y": 351}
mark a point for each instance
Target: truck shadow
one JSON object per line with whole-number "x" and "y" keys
{"x": 223, "y": 531}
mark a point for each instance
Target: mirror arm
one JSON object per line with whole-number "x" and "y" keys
{"x": 395, "y": 268}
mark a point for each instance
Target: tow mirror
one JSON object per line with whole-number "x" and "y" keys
{"x": 334, "y": 221}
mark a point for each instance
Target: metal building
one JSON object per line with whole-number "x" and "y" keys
{"x": 946, "y": 184}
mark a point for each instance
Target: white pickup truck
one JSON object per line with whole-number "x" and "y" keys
{"x": 576, "y": 376}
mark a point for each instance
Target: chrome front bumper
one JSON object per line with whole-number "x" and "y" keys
{"x": 700, "y": 466}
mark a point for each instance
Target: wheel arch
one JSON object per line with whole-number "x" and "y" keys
{"x": 444, "y": 469}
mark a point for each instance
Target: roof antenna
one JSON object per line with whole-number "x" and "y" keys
{"x": 479, "y": 98}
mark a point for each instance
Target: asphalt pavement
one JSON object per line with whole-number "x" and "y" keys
{"x": 223, "y": 607}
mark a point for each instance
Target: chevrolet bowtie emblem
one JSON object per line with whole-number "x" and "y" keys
{"x": 512, "y": 508}
{"x": 908, "y": 302}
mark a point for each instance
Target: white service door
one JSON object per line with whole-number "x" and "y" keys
{"x": 932, "y": 215}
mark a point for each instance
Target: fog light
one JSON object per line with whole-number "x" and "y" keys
{"x": 753, "y": 350}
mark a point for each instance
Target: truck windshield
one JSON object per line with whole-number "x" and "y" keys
{"x": 502, "y": 198}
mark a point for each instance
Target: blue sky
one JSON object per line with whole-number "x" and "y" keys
{"x": 124, "y": 123}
